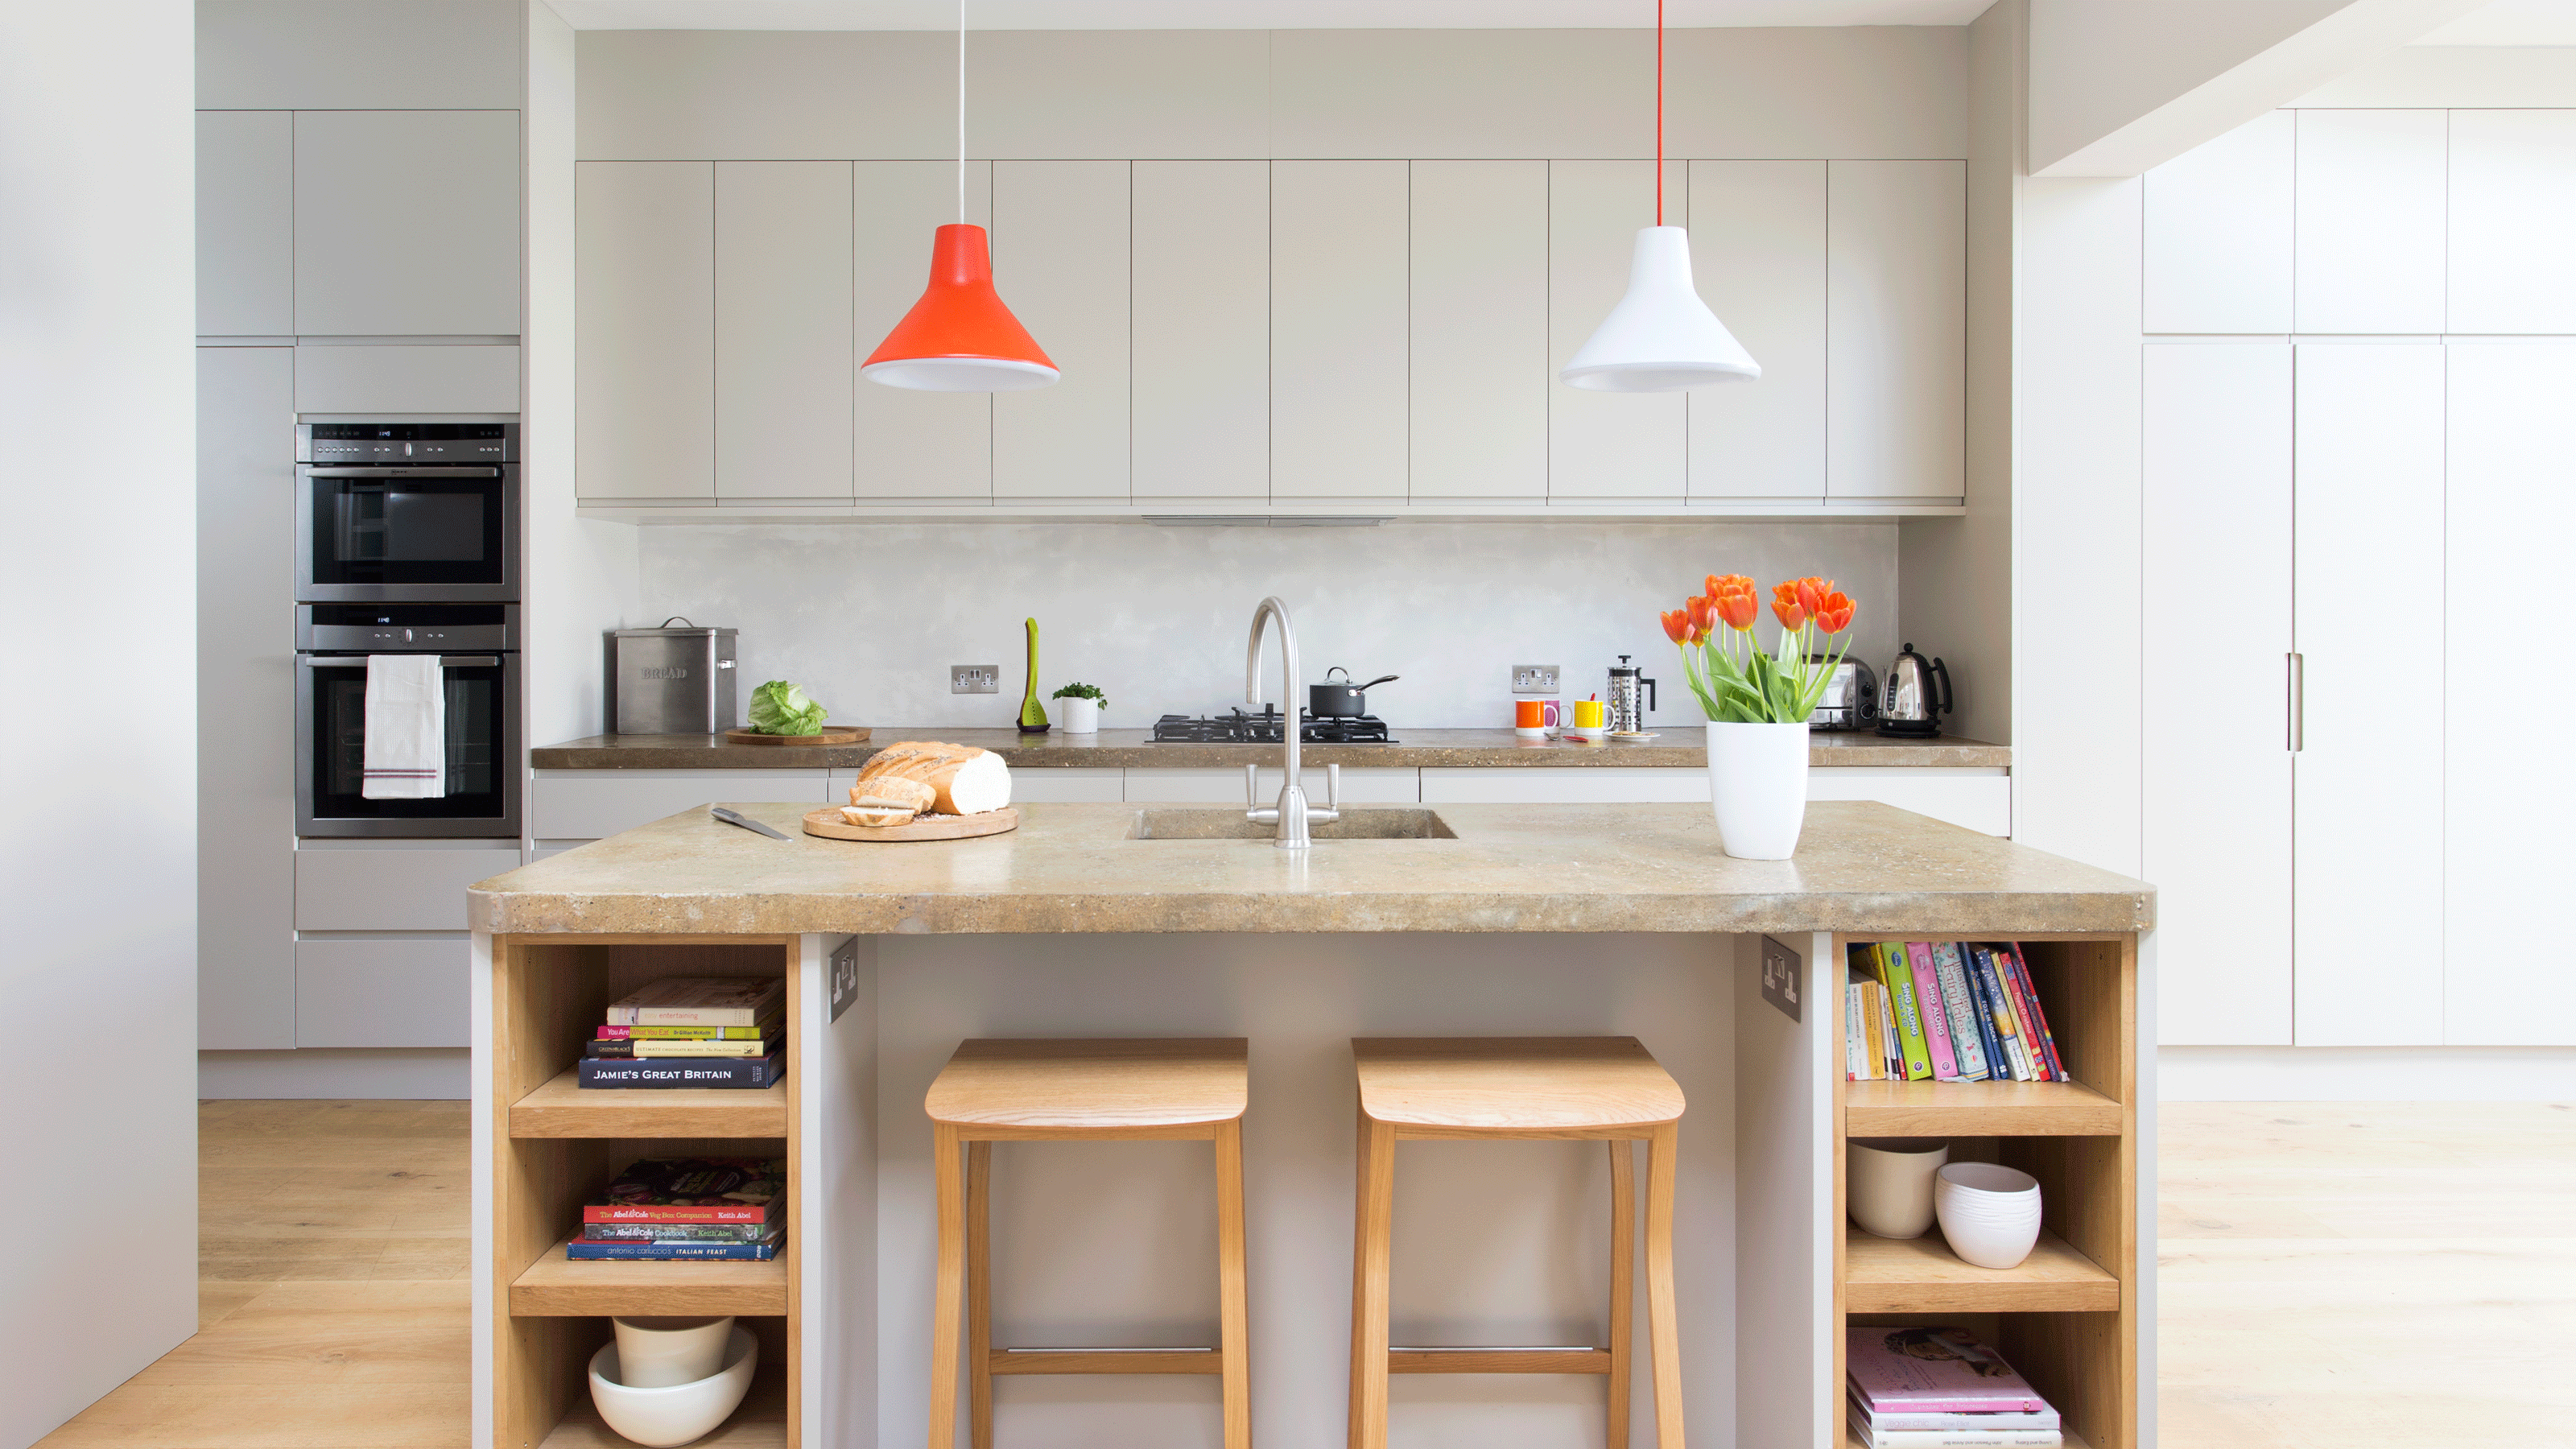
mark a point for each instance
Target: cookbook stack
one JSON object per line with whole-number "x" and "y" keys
{"x": 664, "y": 1209}
{"x": 693, "y": 1031}
{"x": 1932, "y": 1388}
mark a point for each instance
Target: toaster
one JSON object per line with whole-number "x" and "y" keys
{"x": 1851, "y": 697}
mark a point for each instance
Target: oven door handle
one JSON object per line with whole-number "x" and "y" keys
{"x": 401, "y": 472}
{"x": 359, "y": 661}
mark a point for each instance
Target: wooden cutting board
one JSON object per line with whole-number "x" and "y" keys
{"x": 831, "y": 826}
{"x": 831, "y": 735}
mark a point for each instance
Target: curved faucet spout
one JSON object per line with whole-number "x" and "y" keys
{"x": 1291, "y": 811}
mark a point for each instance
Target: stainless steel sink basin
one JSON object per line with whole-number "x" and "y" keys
{"x": 1222, "y": 823}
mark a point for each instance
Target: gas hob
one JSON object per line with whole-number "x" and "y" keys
{"x": 1268, "y": 728}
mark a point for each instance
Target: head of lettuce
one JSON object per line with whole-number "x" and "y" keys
{"x": 780, "y": 708}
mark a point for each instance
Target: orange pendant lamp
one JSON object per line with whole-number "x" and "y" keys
{"x": 959, "y": 337}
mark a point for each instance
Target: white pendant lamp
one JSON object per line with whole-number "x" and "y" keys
{"x": 1661, "y": 337}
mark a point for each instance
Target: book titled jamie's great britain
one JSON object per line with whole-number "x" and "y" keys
{"x": 694, "y": 1190}
{"x": 744, "y": 1072}
{"x": 1933, "y": 1370}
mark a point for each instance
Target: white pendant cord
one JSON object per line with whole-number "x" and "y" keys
{"x": 961, "y": 112}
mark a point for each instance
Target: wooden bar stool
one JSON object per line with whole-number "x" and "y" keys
{"x": 1518, "y": 1088}
{"x": 1078, "y": 1091}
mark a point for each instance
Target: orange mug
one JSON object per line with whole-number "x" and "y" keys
{"x": 1531, "y": 714}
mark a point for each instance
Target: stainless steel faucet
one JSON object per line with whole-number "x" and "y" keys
{"x": 1291, "y": 812}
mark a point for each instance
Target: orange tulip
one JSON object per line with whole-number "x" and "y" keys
{"x": 1737, "y": 608}
{"x": 1835, "y": 615}
{"x": 1676, "y": 625}
{"x": 1811, "y": 594}
{"x": 1720, "y": 585}
{"x": 1784, "y": 602}
{"x": 1703, "y": 610}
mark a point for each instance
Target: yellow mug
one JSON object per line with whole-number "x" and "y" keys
{"x": 1587, "y": 714}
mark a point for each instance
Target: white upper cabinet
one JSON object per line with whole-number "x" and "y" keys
{"x": 2219, "y": 232}
{"x": 645, "y": 323}
{"x": 1339, "y": 386}
{"x": 1060, "y": 259}
{"x": 2369, "y": 608}
{"x": 359, "y": 55}
{"x": 2216, "y": 524}
{"x": 2370, "y": 221}
{"x": 245, "y": 223}
{"x": 1758, "y": 254}
{"x": 1200, "y": 273}
{"x": 1896, "y": 330}
{"x": 2512, "y": 508}
{"x": 1479, "y": 320}
{"x": 364, "y": 268}
{"x": 1606, "y": 446}
{"x": 2513, "y": 209}
{"x": 912, "y": 444}
{"x": 783, "y": 330}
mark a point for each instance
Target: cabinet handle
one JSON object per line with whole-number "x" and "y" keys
{"x": 2298, "y": 702}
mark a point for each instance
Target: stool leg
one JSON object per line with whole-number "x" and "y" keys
{"x": 1623, "y": 1282}
{"x": 950, "y": 1293}
{"x": 1371, "y": 1246}
{"x": 1663, "y": 1321}
{"x": 979, "y": 1294}
{"x": 1233, "y": 1331}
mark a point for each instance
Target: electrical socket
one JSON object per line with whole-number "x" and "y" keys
{"x": 974, "y": 679}
{"x": 1533, "y": 679}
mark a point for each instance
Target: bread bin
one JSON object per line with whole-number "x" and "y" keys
{"x": 672, "y": 681}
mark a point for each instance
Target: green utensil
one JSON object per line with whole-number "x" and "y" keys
{"x": 1033, "y": 720}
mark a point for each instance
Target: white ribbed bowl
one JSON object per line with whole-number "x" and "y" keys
{"x": 682, "y": 1413}
{"x": 1989, "y": 1214}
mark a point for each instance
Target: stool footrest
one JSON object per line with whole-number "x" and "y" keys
{"x": 1106, "y": 1361}
{"x": 1498, "y": 1360}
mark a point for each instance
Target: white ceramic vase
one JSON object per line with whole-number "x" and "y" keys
{"x": 1757, "y": 784}
{"x": 1080, "y": 716}
{"x": 1888, "y": 1184}
{"x": 1989, "y": 1213}
{"x": 655, "y": 1353}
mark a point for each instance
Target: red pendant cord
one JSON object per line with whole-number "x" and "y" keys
{"x": 1659, "y": 112}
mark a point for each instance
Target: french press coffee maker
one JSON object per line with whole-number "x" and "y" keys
{"x": 1632, "y": 694}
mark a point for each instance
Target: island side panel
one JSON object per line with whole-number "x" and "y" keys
{"x": 836, "y": 1204}
{"x": 486, "y": 1114}
{"x": 1786, "y": 1229}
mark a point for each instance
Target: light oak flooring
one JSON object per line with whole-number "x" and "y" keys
{"x": 2402, "y": 1276}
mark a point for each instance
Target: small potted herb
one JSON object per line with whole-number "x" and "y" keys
{"x": 1082, "y": 704}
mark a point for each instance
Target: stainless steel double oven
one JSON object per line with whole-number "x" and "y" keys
{"x": 407, "y": 542}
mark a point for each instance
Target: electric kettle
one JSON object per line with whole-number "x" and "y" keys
{"x": 1909, "y": 705}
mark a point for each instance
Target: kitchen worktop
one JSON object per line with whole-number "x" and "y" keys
{"x": 1679, "y": 746}
{"x": 1861, "y": 866}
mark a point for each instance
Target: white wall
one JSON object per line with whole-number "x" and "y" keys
{"x": 97, "y": 345}
{"x": 868, "y": 618}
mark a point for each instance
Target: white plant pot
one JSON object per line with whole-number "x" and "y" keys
{"x": 677, "y": 1413}
{"x": 1757, "y": 784}
{"x": 1989, "y": 1213}
{"x": 655, "y": 1353}
{"x": 1888, "y": 1184}
{"x": 1080, "y": 716}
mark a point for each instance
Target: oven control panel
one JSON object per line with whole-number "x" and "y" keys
{"x": 407, "y": 443}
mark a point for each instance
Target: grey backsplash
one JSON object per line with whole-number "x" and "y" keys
{"x": 869, "y": 617}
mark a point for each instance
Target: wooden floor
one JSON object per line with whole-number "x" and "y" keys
{"x": 2402, "y": 1276}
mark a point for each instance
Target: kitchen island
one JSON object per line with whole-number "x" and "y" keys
{"x": 1099, "y": 919}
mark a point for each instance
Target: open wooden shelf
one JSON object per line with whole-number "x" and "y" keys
{"x": 1922, "y": 1275}
{"x": 563, "y": 1108}
{"x": 557, "y": 1287}
{"x": 761, "y": 1422}
{"x": 1977, "y": 1109}
{"x": 1851, "y": 1440}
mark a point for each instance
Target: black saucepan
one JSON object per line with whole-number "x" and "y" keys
{"x": 1344, "y": 700}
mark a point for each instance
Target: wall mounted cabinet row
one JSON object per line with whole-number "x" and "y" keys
{"x": 1246, "y": 333}
{"x": 358, "y": 224}
{"x": 2368, "y": 222}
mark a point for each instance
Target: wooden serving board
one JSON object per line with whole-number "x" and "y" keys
{"x": 830, "y": 825}
{"x": 831, "y": 735}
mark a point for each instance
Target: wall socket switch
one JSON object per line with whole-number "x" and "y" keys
{"x": 1533, "y": 679}
{"x": 974, "y": 679}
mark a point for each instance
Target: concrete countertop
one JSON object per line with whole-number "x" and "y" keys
{"x": 1860, "y": 866}
{"x": 1678, "y": 746}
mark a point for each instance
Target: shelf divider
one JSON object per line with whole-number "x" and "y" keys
{"x": 1922, "y": 1275}
{"x": 557, "y": 1287}
{"x": 1978, "y": 1109}
{"x": 562, "y": 1107}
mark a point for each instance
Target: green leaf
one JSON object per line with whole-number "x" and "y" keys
{"x": 780, "y": 708}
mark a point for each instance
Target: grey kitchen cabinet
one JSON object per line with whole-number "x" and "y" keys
{"x": 245, "y": 697}
{"x": 1340, "y": 272}
{"x": 1896, "y": 330}
{"x": 1758, "y": 255}
{"x": 1199, "y": 274}
{"x": 592, "y": 804}
{"x": 783, "y": 330}
{"x": 913, "y": 445}
{"x": 366, "y": 269}
{"x": 245, "y": 223}
{"x": 1060, "y": 259}
{"x": 400, "y": 888}
{"x": 1624, "y": 447}
{"x": 397, "y": 379}
{"x": 644, "y": 305}
{"x": 359, "y": 54}
{"x": 1479, "y": 331}
{"x": 383, "y": 992}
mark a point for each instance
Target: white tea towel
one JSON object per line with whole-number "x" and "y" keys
{"x": 406, "y": 728}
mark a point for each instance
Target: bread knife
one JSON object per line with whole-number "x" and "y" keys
{"x": 730, "y": 817}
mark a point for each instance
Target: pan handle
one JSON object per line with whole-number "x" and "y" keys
{"x": 1381, "y": 679}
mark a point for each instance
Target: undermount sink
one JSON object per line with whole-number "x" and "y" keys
{"x": 1219, "y": 823}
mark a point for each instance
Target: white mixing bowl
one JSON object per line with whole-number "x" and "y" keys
{"x": 679, "y": 1414}
{"x": 1989, "y": 1214}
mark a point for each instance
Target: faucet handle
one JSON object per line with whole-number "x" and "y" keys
{"x": 1333, "y": 787}
{"x": 1251, "y": 787}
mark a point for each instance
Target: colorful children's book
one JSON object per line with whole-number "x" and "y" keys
{"x": 694, "y": 1190}
{"x": 1936, "y": 1016}
{"x": 1853, "y": 1070}
{"x": 1961, "y": 1009}
{"x": 1999, "y": 1005}
{"x": 701, "y": 1001}
{"x": 1932, "y": 1370}
{"x": 2037, "y": 1016}
{"x": 1898, "y": 976}
{"x": 1861, "y": 1413}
